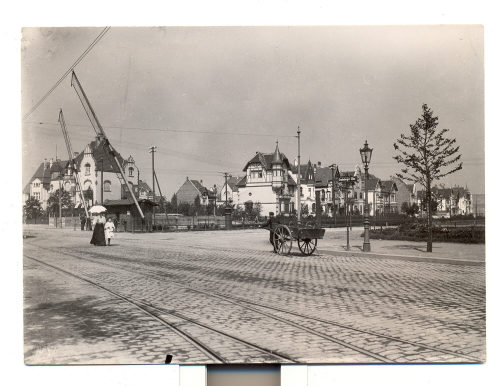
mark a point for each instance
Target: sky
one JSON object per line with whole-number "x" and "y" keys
{"x": 209, "y": 97}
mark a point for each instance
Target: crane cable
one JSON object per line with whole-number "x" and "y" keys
{"x": 77, "y": 61}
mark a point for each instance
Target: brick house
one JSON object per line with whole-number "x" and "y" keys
{"x": 191, "y": 189}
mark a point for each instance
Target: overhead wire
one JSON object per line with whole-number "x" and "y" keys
{"x": 177, "y": 130}
{"x": 77, "y": 61}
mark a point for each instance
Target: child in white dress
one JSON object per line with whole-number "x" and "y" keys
{"x": 109, "y": 230}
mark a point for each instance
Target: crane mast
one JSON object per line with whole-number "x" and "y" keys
{"x": 100, "y": 132}
{"x": 72, "y": 161}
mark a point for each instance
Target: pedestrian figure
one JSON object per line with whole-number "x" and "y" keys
{"x": 98, "y": 237}
{"x": 109, "y": 230}
{"x": 83, "y": 221}
{"x": 89, "y": 224}
{"x": 269, "y": 224}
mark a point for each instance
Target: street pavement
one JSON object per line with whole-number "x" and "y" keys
{"x": 224, "y": 296}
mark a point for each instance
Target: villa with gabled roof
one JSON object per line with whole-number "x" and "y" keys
{"x": 269, "y": 181}
{"x": 93, "y": 161}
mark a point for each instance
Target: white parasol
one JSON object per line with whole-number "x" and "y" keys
{"x": 97, "y": 209}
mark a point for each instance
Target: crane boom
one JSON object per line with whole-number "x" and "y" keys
{"x": 72, "y": 161}
{"x": 99, "y": 131}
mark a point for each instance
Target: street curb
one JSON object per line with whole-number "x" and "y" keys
{"x": 441, "y": 260}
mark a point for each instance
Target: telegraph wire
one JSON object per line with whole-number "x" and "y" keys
{"x": 77, "y": 61}
{"x": 175, "y": 130}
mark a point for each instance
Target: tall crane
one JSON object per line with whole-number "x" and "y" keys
{"x": 100, "y": 132}
{"x": 72, "y": 161}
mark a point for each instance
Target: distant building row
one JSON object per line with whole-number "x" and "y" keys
{"x": 90, "y": 164}
{"x": 272, "y": 181}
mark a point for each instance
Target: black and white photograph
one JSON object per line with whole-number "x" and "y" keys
{"x": 287, "y": 195}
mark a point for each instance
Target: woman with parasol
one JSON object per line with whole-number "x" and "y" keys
{"x": 98, "y": 237}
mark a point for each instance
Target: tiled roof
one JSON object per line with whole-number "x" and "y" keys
{"x": 232, "y": 182}
{"x": 127, "y": 201}
{"x": 266, "y": 160}
{"x": 44, "y": 171}
{"x": 198, "y": 186}
{"x": 242, "y": 182}
{"x": 323, "y": 176}
{"x": 305, "y": 170}
{"x": 388, "y": 186}
{"x": 372, "y": 183}
{"x": 98, "y": 152}
{"x": 144, "y": 186}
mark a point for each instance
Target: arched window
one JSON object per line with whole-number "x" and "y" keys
{"x": 87, "y": 169}
{"x": 107, "y": 186}
{"x": 130, "y": 171}
{"x": 67, "y": 186}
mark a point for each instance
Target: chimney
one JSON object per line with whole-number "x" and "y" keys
{"x": 314, "y": 168}
{"x": 50, "y": 162}
{"x": 319, "y": 164}
{"x": 295, "y": 162}
{"x": 44, "y": 163}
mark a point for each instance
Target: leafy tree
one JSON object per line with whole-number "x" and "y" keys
{"x": 185, "y": 209}
{"x": 32, "y": 208}
{"x": 427, "y": 155}
{"x": 173, "y": 201}
{"x": 53, "y": 201}
{"x": 410, "y": 210}
{"x": 434, "y": 204}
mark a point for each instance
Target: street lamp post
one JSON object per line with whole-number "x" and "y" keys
{"x": 366, "y": 155}
{"x": 333, "y": 168}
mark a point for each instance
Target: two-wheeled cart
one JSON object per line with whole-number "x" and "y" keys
{"x": 283, "y": 236}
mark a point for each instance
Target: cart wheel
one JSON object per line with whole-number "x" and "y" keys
{"x": 307, "y": 246}
{"x": 282, "y": 240}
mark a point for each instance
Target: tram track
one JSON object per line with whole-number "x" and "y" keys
{"x": 142, "y": 306}
{"x": 256, "y": 307}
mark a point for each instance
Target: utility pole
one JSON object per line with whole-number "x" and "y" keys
{"x": 60, "y": 208}
{"x": 225, "y": 183}
{"x": 215, "y": 202}
{"x": 102, "y": 180}
{"x": 299, "y": 207}
{"x": 152, "y": 150}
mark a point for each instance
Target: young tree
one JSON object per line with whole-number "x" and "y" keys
{"x": 53, "y": 201}
{"x": 427, "y": 155}
{"x": 173, "y": 203}
{"x": 32, "y": 208}
{"x": 409, "y": 210}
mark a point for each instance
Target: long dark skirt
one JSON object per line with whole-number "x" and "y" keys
{"x": 98, "y": 235}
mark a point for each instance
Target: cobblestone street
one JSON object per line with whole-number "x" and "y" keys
{"x": 212, "y": 297}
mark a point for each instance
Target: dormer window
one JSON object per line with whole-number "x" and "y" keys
{"x": 131, "y": 172}
{"x": 87, "y": 169}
